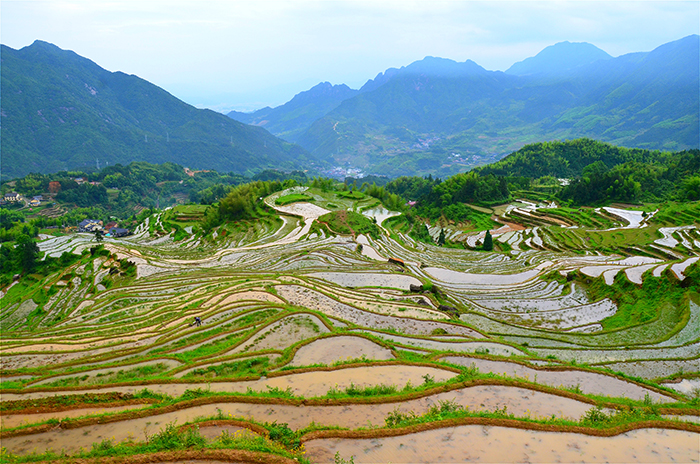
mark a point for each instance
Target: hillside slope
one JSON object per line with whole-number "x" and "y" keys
{"x": 290, "y": 120}
{"x": 439, "y": 116}
{"x": 62, "y": 111}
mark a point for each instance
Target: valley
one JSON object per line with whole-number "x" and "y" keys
{"x": 330, "y": 334}
{"x": 446, "y": 264}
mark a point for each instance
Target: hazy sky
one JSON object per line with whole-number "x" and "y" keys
{"x": 251, "y": 53}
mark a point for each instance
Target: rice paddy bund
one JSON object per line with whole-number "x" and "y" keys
{"x": 285, "y": 340}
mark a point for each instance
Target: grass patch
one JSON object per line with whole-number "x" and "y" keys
{"x": 350, "y": 223}
{"x": 293, "y": 198}
{"x": 354, "y": 195}
{"x": 249, "y": 367}
{"x": 638, "y": 305}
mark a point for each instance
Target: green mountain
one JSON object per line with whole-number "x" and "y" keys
{"x": 61, "y": 111}
{"x": 559, "y": 58}
{"x": 598, "y": 174}
{"x": 573, "y": 158}
{"x": 440, "y": 117}
{"x": 290, "y": 120}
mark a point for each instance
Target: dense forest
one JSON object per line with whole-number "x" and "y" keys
{"x": 580, "y": 172}
{"x": 602, "y": 173}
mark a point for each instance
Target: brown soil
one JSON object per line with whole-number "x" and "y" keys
{"x": 512, "y": 225}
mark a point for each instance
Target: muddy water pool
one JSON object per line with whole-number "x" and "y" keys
{"x": 459, "y": 346}
{"x": 589, "y": 382}
{"x": 521, "y": 402}
{"x": 330, "y": 350}
{"x": 654, "y": 369}
{"x": 474, "y": 443}
{"x": 283, "y": 333}
{"x": 307, "y": 384}
{"x": 197, "y": 461}
{"x": 685, "y": 386}
{"x": 559, "y": 318}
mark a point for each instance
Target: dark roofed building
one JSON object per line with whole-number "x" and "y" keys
{"x": 89, "y": 225}
{"x": 119, "y": 232}
{"x": 13, "y": 196}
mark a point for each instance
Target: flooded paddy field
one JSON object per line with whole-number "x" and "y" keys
{"x": 501, "y": 444}
{"x": 305, "y": 384}
{"x": 281, "y": 329}
{"x": 588, "y": 382}
{"x": 488, "y": 398}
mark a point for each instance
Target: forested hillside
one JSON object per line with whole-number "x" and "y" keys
{"x": 601, "y": 172}
{"x": 290, "y": 120}
{"x": 589, "y": 173}
{"x": 438, "y": 116}
{"x": 61, "y": 111}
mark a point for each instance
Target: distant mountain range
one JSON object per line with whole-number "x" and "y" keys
{"x": 439, "y": 116}
{"x": 61, "y": 111}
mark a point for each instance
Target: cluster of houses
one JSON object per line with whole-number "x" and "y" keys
{"x": 82, "y": 180}
{"x": 14, "y": 197}
{"x": 110, "y": 230}
{"x": 54, "y": 187}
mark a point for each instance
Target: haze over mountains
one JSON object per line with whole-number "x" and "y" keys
{"x": 440, "y": 116}
{"x": 62, "y": 111}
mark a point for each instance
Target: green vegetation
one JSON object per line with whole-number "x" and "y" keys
{"x": 133, "y": 187}
{"x": 638, "y": 305}
{"x": 350, "y": 223}
{"x": 266, "y": 298}
{"x": 604, "y": 173}
{"x": 130, "y": 120}
{"x": 287, "y": 199}
{"x": 488, "y": 242}
{"x": 241, "y": 203}
{"x": 677, "y": 214}
{"x": 350, "y": 195}
{"x": 453, "y": 120}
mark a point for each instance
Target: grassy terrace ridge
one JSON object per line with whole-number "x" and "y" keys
{"x": 349, "y": 223}
{"x": 293, "y": 198}
{"x": 584, "y": 310}
{"x": 352, "y": 395}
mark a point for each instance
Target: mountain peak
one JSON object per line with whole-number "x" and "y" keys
{"x": 442, "y": 67}
{"x": 431, "y": 66}
{"x": 559, "y": 57}
{"x": 85, "y": 112}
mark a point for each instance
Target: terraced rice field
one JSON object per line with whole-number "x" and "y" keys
{"x": 312, "y": 348}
